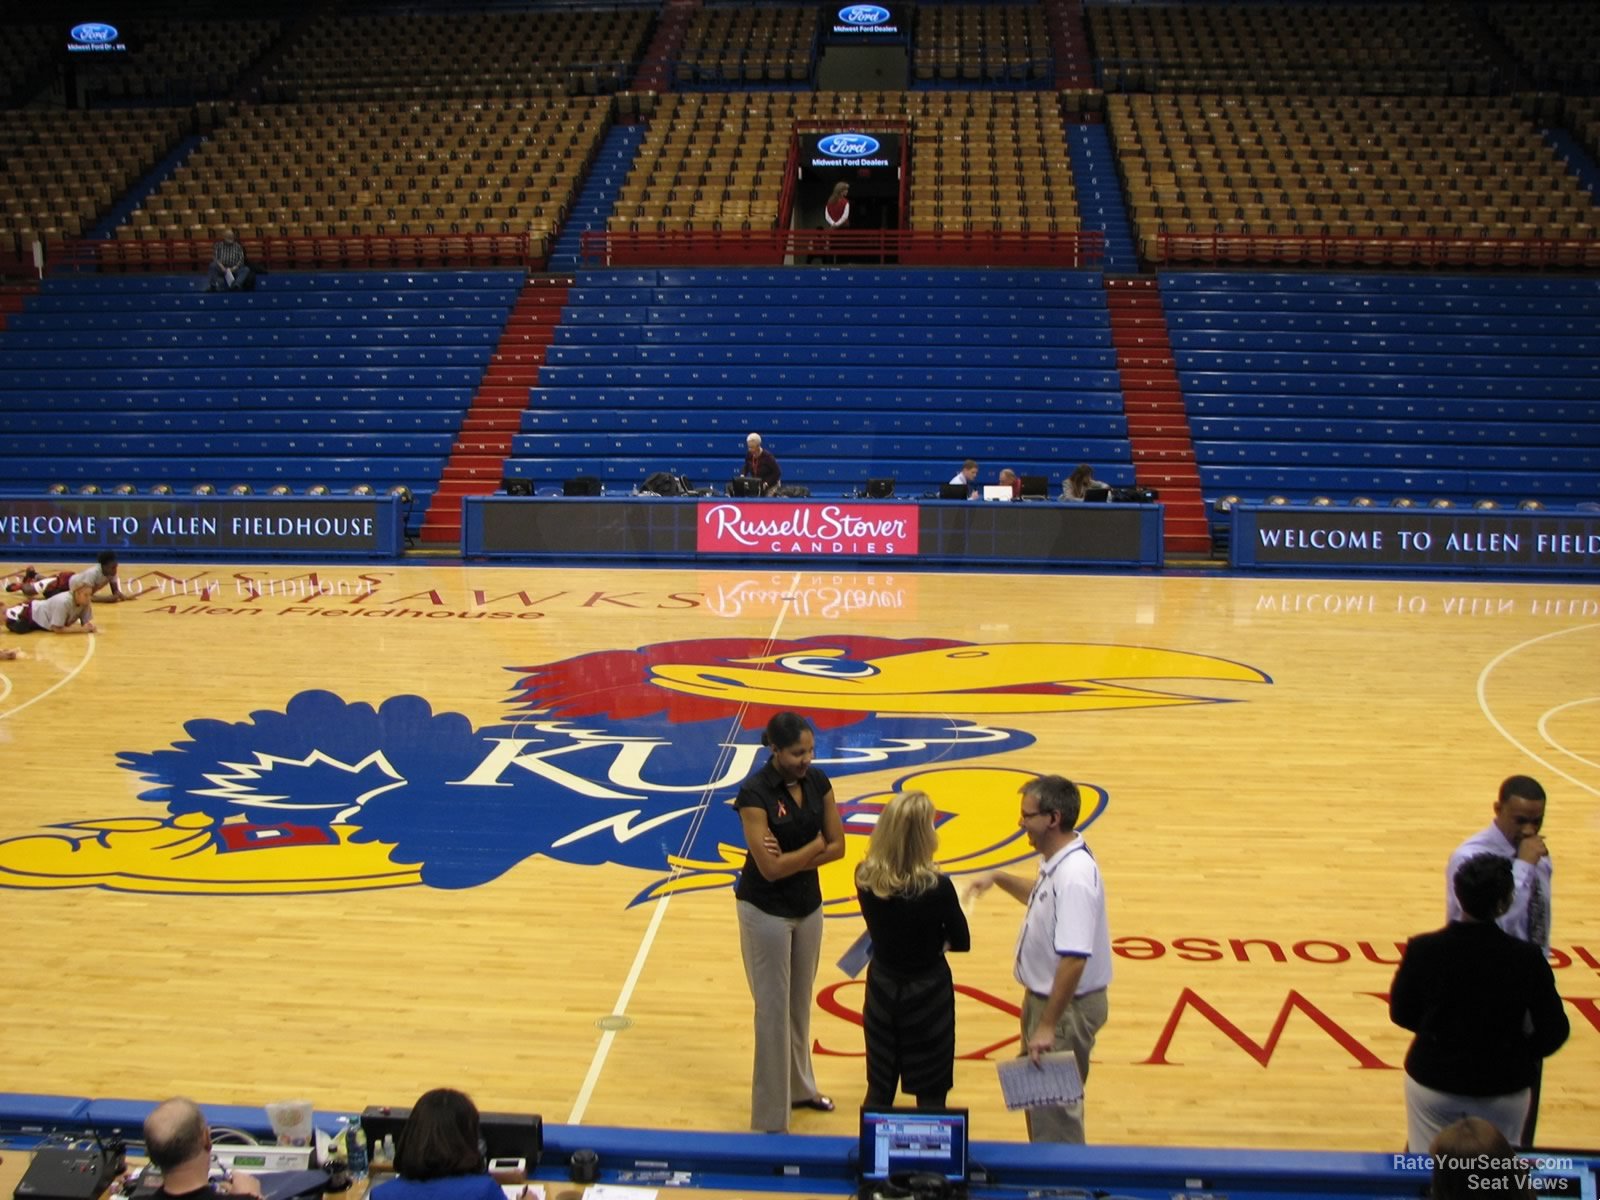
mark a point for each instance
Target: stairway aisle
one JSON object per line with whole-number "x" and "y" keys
{"x": 14, "y": 297}
{"x": 656, "y": 71}
{"x": 598, "y": 198}
{"x": 1158, "y": 428}
{"x": 1069, "y": 44}
{"x": 477, "y": 458}
{"x": 1099, "y": 192}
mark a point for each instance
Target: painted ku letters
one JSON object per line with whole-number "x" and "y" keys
{"x": 627, "y": 757}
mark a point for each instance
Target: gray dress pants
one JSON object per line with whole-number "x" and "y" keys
{"x": 780, "y": 962}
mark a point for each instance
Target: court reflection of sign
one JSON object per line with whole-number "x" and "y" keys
{"x": 829, "y": 595}
{"x": 731, "y": 527}
{"x": 270, "y": 525}
{"x": 1417, "y": 539}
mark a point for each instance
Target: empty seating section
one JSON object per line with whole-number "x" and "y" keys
{"x": 990, "y": 161}
{"x": 847, "y": 376}
{"x": 381, "y": 168}
{"x": 1425, "y": 388}
{"x": 1345, "y": 166}
{"x": 1390, "y": 49}
{"x": 978, "y": 160}
{"x": 329, "y": 378}
{"x": 60, "y": 171}
{"x": 767, "y": 44}
{"x": 28, "y": 55}
{"x": 1583, "y": 113}
{"x": 988, "y": 45}
{"x": 178, "y": 61}
{"x": 1557, "y": 42}
{"x": 431, "y": 56}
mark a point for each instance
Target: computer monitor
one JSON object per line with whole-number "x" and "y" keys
{"x": 953, "y": 491}
{"x": 1035, "y": 487}
{"x": 880, "y": 489}
{"x": 897, "y": 1141}
{"x": 1097, "y": 495}
{"x": 998, "y": 491}
{"x": 580, "y": 485}
{"x": 745, "y": 485}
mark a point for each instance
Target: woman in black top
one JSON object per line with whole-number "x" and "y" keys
{"x": 1484, "y": 1007}
{"x": 913, "y": 916}
{"x": 791, "y": 827}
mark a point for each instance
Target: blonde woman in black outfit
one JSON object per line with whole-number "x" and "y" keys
{"x": 913, "y": 916}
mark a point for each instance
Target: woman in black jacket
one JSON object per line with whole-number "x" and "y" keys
{"x": 1484, "y": 1007}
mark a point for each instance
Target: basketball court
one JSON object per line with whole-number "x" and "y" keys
{"x": 347, "y": 833}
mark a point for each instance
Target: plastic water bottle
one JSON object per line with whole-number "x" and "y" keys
{"x": 356, "y": 1149}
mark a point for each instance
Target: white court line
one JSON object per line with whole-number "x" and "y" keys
{"x": 1483, "y": 703}
{"x": 620, "y": 1008}
{"x": 60, "y": 683}
{"x": 1544, "y": 729}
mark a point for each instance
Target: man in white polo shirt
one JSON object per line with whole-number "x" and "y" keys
{"x": 1064, "y": 949}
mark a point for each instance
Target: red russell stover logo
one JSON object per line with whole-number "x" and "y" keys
{"x": 728, "y": 527}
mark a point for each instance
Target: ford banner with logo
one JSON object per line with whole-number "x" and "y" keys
{"x": 863, "y": 20}
{"x": 850, "y": 149}
{"x": 95, "y": 37}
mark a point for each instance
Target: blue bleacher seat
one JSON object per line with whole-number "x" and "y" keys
{"x": 1461, "y": 387}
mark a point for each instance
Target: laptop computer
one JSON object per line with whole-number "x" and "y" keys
{"x": 900, "y": 1142}
{"x": 998, "y": 491}
{"x": 953, "y": 491}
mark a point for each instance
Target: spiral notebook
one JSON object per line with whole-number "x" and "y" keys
{"x": 1052, "y": 1081}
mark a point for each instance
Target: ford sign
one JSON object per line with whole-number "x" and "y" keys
{"x": 847, "y": 145}
{"x": 94, "y": 32}
{"x": 864, "y": 14}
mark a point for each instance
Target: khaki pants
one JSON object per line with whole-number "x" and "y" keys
{"x": 780, "y": 962}
{"x": 1074, "y": 1031}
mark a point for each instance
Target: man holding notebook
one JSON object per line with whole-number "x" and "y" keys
{"x": 1064, "y": 948}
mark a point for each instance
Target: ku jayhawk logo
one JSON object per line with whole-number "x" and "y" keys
{"x": 630, "y": 757}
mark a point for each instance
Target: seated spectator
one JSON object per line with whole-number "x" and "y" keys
{"x": 229, "y": 270}
{"x": 65, "y": 612}
{"x": 1471, "y": 1158}
{"x": 1079, "y": 483}
{"x": 438, "y": 1155}
{"x": 1010, "y": 479}
{"x": 178, "y": 1143}
{"x": 967, "y": 476}
{"x": 759, "y": 463}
